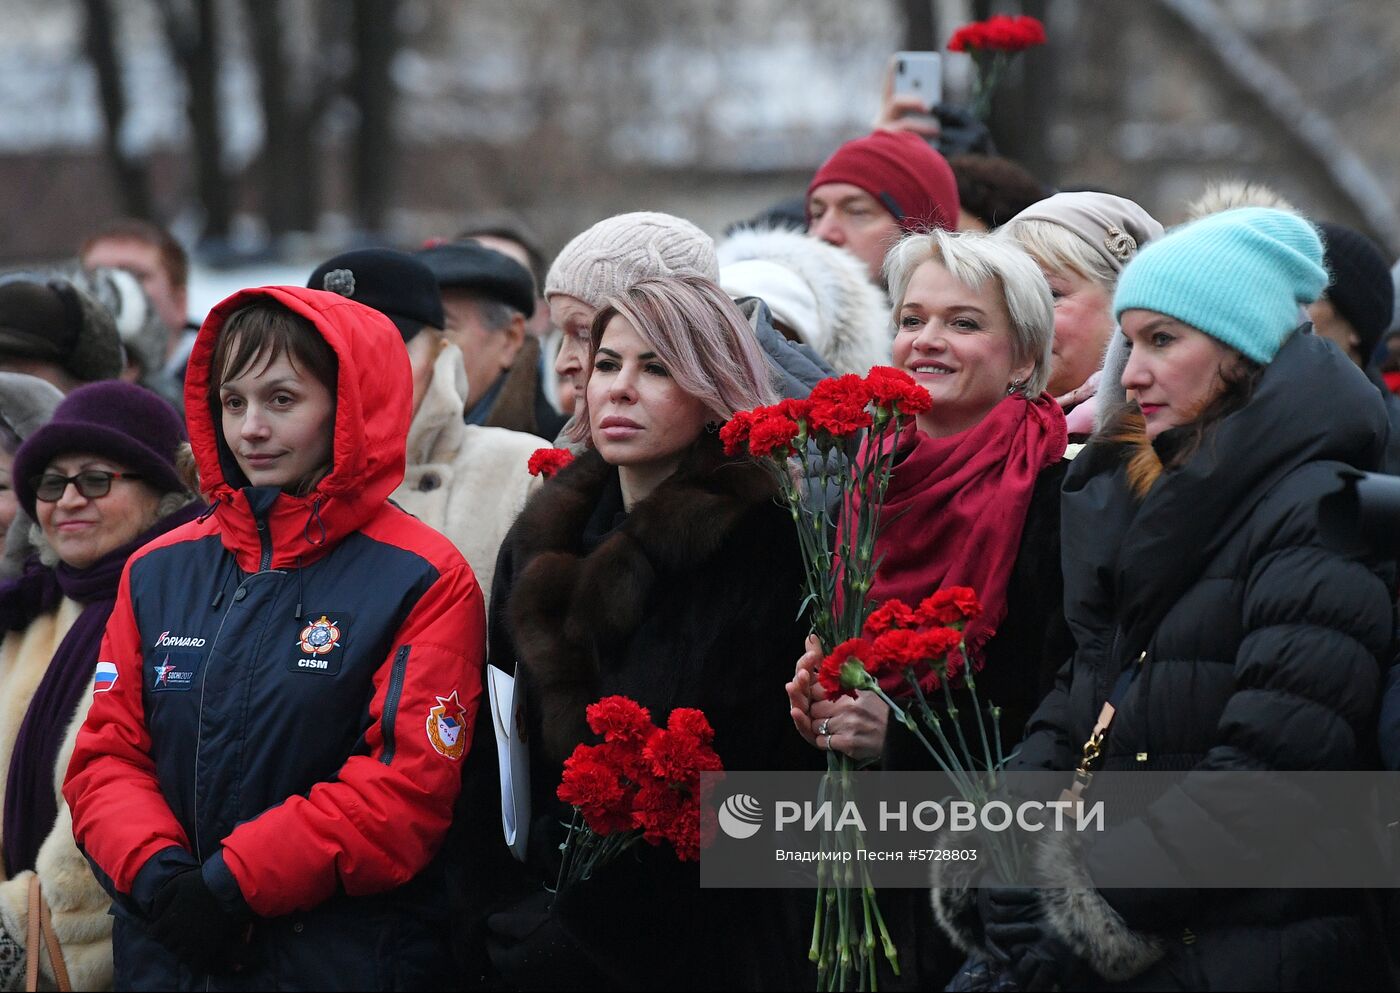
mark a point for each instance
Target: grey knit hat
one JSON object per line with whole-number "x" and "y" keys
{"x": 615, "y": 253}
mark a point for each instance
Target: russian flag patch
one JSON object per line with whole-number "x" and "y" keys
{"x": 105, "y": 677}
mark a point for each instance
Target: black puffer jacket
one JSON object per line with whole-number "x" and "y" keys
{"x": 1263, "y": 651}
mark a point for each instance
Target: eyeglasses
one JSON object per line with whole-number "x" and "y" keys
{"x": 91, "y": 483}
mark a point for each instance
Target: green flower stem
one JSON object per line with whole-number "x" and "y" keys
{"x": 996, "y": 735}
{"x": 989, "y": 73}
{"x": 868, "y": 936}
{"x": 931, "y": 719}
{"x": 953, "y": 711}
{"x": 891, "y": 953}
{"x": 567, "y": 846}
{"x": 977, "y": 709}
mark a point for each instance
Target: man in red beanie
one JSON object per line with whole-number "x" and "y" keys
{"x": 876, "y": 188}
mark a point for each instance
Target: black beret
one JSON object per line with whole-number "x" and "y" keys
{"x": 393, "y": 283}
{"x": 465, "y": 265}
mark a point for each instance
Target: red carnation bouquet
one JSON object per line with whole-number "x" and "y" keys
{"x": 904, "y": 656}
{"x": 814, "y": 436}
{"x": 548, "y": 461}
{"x": 808, "y": 444}
{"x": 992, "y": 44}
{"x": 641, "y": 784}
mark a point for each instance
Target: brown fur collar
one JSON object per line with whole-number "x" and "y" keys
{"x": 566, "y": 606}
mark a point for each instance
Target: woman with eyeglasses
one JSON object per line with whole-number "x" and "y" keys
{"x": 101, "y": 479}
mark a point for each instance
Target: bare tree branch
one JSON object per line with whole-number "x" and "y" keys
{"x": 193, "y": 29}
{"x": 1313, "y": 132}
{"x": 133, "y": 178}
{"x": 372, "y": 89}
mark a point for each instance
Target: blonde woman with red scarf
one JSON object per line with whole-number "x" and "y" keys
{"x": 974, "y": 501}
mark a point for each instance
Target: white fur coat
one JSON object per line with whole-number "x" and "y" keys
{"x": 78, "y": 904}
{"x": 467, "y": 481}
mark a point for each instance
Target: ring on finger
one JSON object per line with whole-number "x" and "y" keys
{"x": 822, "y": 728}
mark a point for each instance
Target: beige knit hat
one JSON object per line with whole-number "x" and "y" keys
{"x": 1115, "y": 228}
{"x": 615, "y": 253}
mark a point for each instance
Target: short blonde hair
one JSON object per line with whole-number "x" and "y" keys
{"x": 1058, "y": 249}
{"x": 700, "y": 336}
{"x": 973, "y": 257}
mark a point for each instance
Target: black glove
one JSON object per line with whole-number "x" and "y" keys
{"x": 1012, "y": 918}
{"x": 188, "y": 919}
{"x": 1049, "y": 964}
{"x": 1031, "y": 956}
{"x": 961, "y": 133}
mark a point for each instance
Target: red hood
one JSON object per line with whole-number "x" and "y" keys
{"x": 373, "y": 407}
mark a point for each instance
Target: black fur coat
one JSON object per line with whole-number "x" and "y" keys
{"x": 689, "y": 600}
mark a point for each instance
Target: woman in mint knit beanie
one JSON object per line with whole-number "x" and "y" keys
{"x": 1191, "y": 558}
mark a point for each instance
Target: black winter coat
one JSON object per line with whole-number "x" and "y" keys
{"x": 689, "y": 600}
{"x": 1263, "y": 651}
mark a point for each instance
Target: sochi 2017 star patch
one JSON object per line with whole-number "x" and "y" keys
{"x": 447, "y": 725}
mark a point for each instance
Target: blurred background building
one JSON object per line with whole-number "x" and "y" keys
{"x": 275, "y": 131}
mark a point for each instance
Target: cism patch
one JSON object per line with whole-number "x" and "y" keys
{"x": 171, "y": 671}
{"x": 320, "y": 644}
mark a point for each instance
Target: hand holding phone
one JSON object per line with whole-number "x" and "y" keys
{"x": 918, "y": 77}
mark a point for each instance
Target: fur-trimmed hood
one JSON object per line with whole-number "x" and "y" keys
{"x": 852, "y": 330}
{"x": 573, "y": 608}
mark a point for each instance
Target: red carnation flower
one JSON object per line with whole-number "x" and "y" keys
{"x": 735, "y": 433}
{"x": 772, "y": 433}
{"x": 949, "y": 606}
{"x": 894, "y": 390}
{"x": 889, "y": 615}
{"x": 999, "y": 33}
{"x": 829, "y": 675}
{"x": 594, "y": 785}
{"x": 939, "y": 642}
{"x": 620, "y": 719}
{"x": 688, "y": 720}
{"x": 680, "y": 758}
{"x": 838, "y": 406}
{"x": 798, "y": 410}
{"x": 895, "y": 651}
{"x": 666, "y": 814}
{"x": 548, "y": 461}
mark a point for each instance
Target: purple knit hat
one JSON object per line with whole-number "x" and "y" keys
{"x": 112, "y": 419}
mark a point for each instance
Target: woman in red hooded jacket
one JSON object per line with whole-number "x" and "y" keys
{"x": 286, "y": 687}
